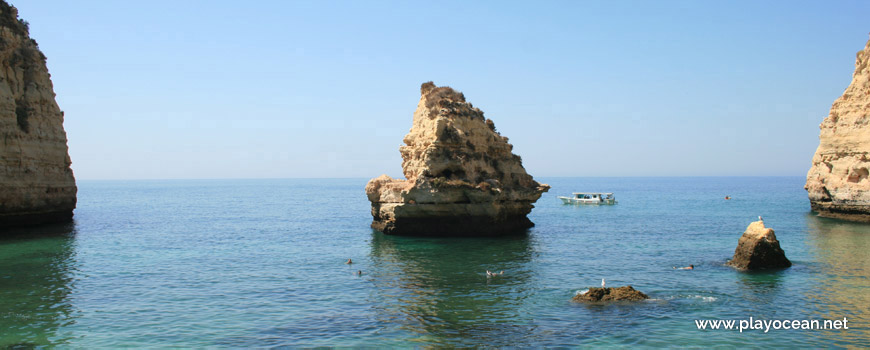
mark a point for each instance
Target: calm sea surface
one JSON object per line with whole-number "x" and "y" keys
{"x": 260, "y": 263}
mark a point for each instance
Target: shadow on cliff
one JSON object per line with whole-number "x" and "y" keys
{"x": 35, "y": 285}
{"x": 459, "y": 231}
{"x": 438, "y": 289}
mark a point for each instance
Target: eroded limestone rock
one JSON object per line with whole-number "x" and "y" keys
{"x": 37, "y": 184}
{"x": 758, "y": 249}
{"x": 838, "y": 183}
{"x": 625, "y": 293}
{"x": 461, "y": 177}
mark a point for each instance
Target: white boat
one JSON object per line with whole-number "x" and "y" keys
{"x": 589, "y": 198}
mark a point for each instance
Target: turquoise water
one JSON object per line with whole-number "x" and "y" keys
{"x": 260, "y": 263}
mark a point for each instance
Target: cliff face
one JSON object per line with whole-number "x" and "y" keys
{"x": 461, "y": 177}
{"x": 837, "y": 182}
{"x": 37, "y": 184}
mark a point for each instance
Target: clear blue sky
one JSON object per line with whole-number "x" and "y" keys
{"x": 254, "y": 89}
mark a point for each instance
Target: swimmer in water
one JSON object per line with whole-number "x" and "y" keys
{"x": 690, "y": 267}
{"x": 349, "y": 262}
{"x": 492, "y": 274}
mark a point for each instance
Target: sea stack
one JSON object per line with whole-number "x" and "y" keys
{"x": 461, "y": 177}
{"x": 758, "y": 249}
{"x": 37, "y": 185}
{"x": 837, "y": 182}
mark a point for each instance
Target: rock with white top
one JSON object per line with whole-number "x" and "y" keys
{"x": 758, "y": 249}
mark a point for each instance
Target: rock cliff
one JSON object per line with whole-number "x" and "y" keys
{"x": 461, "y": 177}
{"x": 37, "y": 184}
{"x": 838, "y": 183}
{"x": 758, "y": 249}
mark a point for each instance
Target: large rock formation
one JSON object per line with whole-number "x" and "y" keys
{"x": 462, "y": 179}
{"x": 838, "y": 183}
{"x": 758, "y": 249}
{"x": 37, "y": 184}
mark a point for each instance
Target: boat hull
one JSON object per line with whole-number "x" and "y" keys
{"x": 587, "y": 201}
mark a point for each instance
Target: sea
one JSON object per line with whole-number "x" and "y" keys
{"x": 261, "y": 264}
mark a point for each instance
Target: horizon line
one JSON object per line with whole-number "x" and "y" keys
{"x": 360, "y": 177}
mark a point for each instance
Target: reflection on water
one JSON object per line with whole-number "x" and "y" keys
{"x": 35, "y": 284}
{"x": 437, "y": 289}
{"x": 843, "y": 288}
{"x": 760, "y": 286}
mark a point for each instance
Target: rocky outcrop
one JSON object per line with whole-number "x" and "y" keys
{"x": 626, "y": 293}
{"x": 838, "y": 183}
{"x": 37, "y": 184}
{"x": 758, "y": 249}
{"x": 461, "y": 177}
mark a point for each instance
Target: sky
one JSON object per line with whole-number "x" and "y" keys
{"x": 284, "y": 89}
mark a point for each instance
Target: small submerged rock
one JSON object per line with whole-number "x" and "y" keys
{"x": 627, "y": 293}
{"x": 758, "y": 249}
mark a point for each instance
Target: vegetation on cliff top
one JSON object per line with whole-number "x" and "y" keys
{"x": 9, "y": 19}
